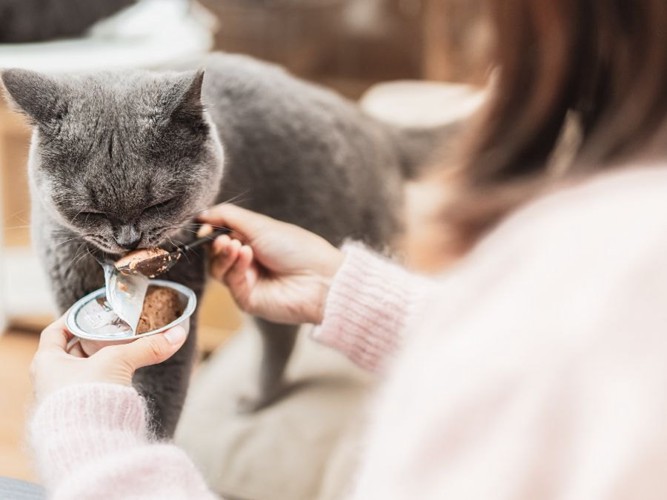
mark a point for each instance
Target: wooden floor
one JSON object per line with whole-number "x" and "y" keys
{"x": 16, "y": 351}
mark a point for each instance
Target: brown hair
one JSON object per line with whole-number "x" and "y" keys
{"x": 603, "y": 61}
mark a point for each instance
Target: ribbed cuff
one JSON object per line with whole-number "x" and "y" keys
{"x": 82, "y": 422}
{"x": 368, "y": 306}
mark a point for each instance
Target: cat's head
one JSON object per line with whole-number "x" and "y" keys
{"x": 123, "y": 159}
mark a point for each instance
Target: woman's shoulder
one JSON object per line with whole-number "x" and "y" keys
{"x": 625, "y": 207}
{"x": 624, "y": 189}
{"x": 607, "y": 229}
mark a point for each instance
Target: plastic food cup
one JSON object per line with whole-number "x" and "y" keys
{"x": 92, "y": 322}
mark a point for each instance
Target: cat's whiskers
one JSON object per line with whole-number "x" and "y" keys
{"x": 167, "y": 232}
{"x": 18, "y": 214}
{"x": 177, "y": 229}
{"x": 174, "y": 244}
{"x": 162, "y": 233}
{"x": 159, "y": 233}
{"x": 97, "y": 258}
{"x": 214, "y": 226}
{"x": 101, "y": 242}
{"x": 193, "y": 215}
{"x": 237, "y": 198}
{"x": 87, "y": 253}
{"x": 68, "y": 240}
{"x": 79, "y": 255}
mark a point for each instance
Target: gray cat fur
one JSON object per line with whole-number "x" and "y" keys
{"x": 117, "y": 143}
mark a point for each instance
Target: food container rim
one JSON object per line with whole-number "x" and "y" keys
{"x": 78, "y": 332}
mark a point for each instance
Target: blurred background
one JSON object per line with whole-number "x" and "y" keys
{"x": 416, "y": 61}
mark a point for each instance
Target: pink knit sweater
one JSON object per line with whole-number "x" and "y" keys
{"x": 537, "y": 368}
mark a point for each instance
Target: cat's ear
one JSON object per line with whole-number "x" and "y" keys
{"x": 37, "y": 95}
{"x": 186, "y": 105}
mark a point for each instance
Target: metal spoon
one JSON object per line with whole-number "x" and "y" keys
{"x": 125, "y": 294}
{"x": 151, "y": 262}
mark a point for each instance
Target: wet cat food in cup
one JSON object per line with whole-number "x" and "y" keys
{"x": 162, "y": 305}
{"x": 166, "y": 305}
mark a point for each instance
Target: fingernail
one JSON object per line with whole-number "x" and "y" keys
{"x": 204, "y": 230}
{"x": 204, "y": 213}
{"x": 175, "y": 335}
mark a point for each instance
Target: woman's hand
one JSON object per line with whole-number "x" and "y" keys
{"x": 53, "y": 367}
{"x": 280, "y": 272}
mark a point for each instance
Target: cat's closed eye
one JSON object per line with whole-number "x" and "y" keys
{"x": 90, "y": 215}
{"x": 162, "y": 205}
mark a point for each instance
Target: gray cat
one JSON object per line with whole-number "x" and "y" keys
{"x": 126, "y": 160}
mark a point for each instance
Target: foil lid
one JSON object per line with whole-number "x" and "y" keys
{"x": 125, "y": 294}
{"x": 98, "y": 318}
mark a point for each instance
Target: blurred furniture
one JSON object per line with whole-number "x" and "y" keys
{"x": 20, "y": 279}
{"x": 352, "y": 44}
{"x": 297, "y": 34}
{"x": 28, "y": 21}
{"x": 344, "y": 44}
{"x": 431, "y": 104}
{"x": 419, "y": 103}
{"x": 151, "y": 34}
{"x": 457, "y": 40}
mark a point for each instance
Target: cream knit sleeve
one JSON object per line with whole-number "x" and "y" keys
{"x": 91, "y": 441}
{"x": 369, "y": 304}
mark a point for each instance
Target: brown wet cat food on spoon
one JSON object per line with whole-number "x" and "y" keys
{"x": 150, "y": 262}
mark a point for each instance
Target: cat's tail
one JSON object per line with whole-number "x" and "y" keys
{"x": 421, "y": 147}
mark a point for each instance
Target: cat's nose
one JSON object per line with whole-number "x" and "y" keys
{"x": 128, "y": 238}
{"x": 130, "y": 245}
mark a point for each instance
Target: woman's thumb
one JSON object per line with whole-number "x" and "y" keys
{"x": 153, "y": 349}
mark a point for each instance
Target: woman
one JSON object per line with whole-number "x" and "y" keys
{"x": 534, "y": 368}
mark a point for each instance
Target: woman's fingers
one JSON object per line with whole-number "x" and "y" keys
{"x": 245, "y": 222}
{"x": 149, "y": 350}
{"x": 55, "y": 336}
{"x": 237, "y": 277}
{"x": 232, "y": 264}
{"x": 246, "y": 258}
{"x": 223, "y": 254}
{"x": 75, "y": 348}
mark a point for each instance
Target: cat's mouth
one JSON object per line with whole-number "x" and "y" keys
{"x": 109, "y": 249}
{"x": 104, "y": 245}
{"x": 113, "y": 249}
{"x": 166, "y": 238}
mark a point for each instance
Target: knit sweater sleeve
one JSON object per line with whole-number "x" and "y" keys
{"x": 370, "y": 302}
{"x": 91, "y": 441}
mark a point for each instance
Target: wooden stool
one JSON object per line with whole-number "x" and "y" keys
{"x": 413, "y": 103}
